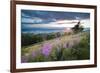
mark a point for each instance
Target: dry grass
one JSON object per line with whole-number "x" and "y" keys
{"x": 68, "y": 39}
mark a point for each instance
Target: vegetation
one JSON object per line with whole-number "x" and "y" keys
{"x": 55, "y": 46}
{"x": 74, "y": 47}
{"x": 29, "y": 38}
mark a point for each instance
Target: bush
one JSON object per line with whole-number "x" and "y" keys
{"x": 31, "y": 38}
{"x": 69, "y": 54}
{"x": 83, "y": 48}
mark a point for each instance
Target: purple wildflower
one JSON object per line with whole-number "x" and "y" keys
{"x": 70, "y": 45}
{"x": 24, "y": 59}
{"x": 46, "y": 49}
{"x": 58, "y": 42}
{"x": 65, "y": 45}
{"x": 33, "y": 54}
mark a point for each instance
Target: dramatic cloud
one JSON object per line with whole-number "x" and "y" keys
{"x": 33, "y": 20}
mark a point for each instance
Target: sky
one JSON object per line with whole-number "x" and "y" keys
{"x": 37, "y": 21}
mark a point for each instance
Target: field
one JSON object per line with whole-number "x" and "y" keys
{"x": 55, "y": 48}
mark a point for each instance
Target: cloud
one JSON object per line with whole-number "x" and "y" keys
{"x": 59, "y": 24}
{"x": 31, "y": 20}
{"x": 77, "y": 18}
{"x": 65, "y": 23}
{"x": 55, "y": 14}
{"x": 86, "y": 23}
{"x": 25, "y": 15}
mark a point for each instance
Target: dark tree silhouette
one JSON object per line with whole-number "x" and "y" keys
{"x": 77, "y": 27}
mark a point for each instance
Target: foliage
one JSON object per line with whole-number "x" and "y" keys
{"x": 77, "y": 28}
{"x": 83, "y": 48}
{"x": 31, "y": 38}
{"x": 79, "y": 51}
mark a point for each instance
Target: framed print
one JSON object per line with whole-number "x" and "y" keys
{"x": 52, "y": 36}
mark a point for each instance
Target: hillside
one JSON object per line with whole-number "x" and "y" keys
{"x": 67, "y": 41}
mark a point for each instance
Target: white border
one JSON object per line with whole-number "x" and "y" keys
{"x": 20, "y": 65}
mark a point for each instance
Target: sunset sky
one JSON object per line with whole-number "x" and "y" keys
{"x": 51, "y": 21}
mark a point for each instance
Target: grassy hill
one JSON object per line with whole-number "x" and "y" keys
{"x": 67, "y": 47}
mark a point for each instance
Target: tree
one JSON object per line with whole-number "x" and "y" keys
{"x": 77, "y": 28}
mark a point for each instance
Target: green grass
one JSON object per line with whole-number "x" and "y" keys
{"x": 78, "y": 51}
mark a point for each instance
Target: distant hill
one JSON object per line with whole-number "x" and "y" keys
{"x": 86, "y": 30}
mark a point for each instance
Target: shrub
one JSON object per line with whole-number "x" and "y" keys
{"x": 38, "y": 58}
{"x": 83, "y": 48}
{"x": 69, "y": 54}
